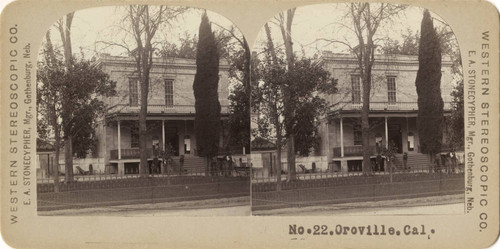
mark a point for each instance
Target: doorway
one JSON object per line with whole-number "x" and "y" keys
{"x": 172, "y": 138}
{"x": 395, "y": 136}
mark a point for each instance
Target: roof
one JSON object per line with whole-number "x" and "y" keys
{"x": 44, "y": 146}
{"x": 262, "y": 144}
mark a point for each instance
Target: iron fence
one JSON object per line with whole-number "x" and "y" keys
{"x": 263, "y": 177}
{"x": 105, "y": 189}
{"x": 322, "y": 188}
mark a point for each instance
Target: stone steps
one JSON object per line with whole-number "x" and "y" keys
{"x": 192, "y": 163}
{"x": 415, "y": 161}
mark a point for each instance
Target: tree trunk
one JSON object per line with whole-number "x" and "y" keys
{"x": 292, "y": 172}
{"x": 365, "y": 123}
{"x": 278, "y": 164}
{"x": 143, "y": 129}
{"x": 143, "y": 167}
{"x": 55, "y": 167}
{"x": 286, "y": 32}
{"x": 67, "y": 107}
{"x": 68, "y": 159}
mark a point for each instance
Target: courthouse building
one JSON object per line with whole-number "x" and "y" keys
{"x": 392, "y": 117}
{"x": 171, "y": 112}
{"x": 393, "y": 109}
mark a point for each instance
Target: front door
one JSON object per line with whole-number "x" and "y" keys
{"x": 395, "y": 136}
{"x": 172, "y": 138}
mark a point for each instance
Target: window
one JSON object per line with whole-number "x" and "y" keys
{"x": 378, "y": 141}
{"x": 357, "y": 134}
{"x": 133, "y": 92}
{"x": 356, "y": 89}
{"x": 169, "y": 93}
{"x": 187, "y": 144}
{"x": 411, "y": 141}
{"x": 134, "y": 136}
{"x": 391, "y": 89}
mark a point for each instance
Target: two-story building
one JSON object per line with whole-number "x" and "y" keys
{"x": 171, "y": 112}
{"x": 393, "y": 108}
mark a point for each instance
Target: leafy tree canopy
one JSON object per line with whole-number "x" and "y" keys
{"x": 82, "y": 85}
{"x": 306, "y": 83}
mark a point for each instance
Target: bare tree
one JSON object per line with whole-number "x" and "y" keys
{"x": 284, "y": 22}
{"x": 141, "y": 24}
{"x": 366, "y": 19}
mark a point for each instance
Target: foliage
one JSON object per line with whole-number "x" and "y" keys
{"x": 186, "y": 50}
{"x": 82, "y": 85}
{"x": 239, "y": 120}
{"x": 205, "y": 86}
{"x": 189, "y": 44}
{"x": 233, "y": 47}
{"x": 456, "y": 125}
{"x": 167, "y": 157}
{"x": 391, "y": 151}
{"x": 305, "y": 81}
{"x": 409, "y": 46}
{"x": 428, "y": 83}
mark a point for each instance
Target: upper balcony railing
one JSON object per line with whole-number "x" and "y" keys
{"x": 386, "y": 106}
{"x": 174, "y": 109}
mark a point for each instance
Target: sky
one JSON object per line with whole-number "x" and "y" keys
{"x": 102, "y": 24}
{"x": 327, "y": 21}
{"x": 310, "y": 23}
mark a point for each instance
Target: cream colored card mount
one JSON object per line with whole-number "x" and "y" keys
{"x": 223, "y": 124}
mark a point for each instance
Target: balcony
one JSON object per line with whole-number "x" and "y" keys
{"x": 386, "y": 106}
{"x": 356, "y": 150}
{"x": 175, "y": 109}
{"x": 130, "y": 153}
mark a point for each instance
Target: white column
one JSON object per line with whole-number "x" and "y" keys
{"x": 119, "y": 141}
{"x": 341, "y": 138}
{"x": 386, "y": 135}
{"x": 163, "y": 134}
{"x": 327, "y": 142}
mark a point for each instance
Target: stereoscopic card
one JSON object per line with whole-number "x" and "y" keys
{"x": 223, "y": 124}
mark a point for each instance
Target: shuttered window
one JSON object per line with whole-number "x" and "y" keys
{"x": 133, "y": 91}
{"x": 356, "y": 89}
{"x": 391, "y": 90}
{"x": 169, "y": 93}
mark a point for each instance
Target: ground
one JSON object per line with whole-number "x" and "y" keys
{"x": 239, "y": 206}
{"x": 450, "y": 204}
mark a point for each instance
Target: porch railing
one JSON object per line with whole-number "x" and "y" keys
{"x": 130, "y": 153}
{"x": 356, "y": 150}
{"x": 386, "y": 106}
{"x": 154, "y": 108}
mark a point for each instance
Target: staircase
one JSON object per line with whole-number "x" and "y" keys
{"x": 416, "y": 161}
{"x": 192, "y": 163}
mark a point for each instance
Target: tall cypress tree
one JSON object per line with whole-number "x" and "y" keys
{"x": 206, "y": 81}
{"x": 428, "y": 84}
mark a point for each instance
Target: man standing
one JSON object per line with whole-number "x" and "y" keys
{"x": 155, "y": 159}
{"x": 405, "y": 160}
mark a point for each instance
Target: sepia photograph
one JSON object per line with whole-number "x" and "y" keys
{"x": 143, "y": 110}
{"x": 249, "y": 124}
{"x": 357, "y": 108}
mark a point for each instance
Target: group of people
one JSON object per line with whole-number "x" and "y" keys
{"x": 447, "y": 162}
